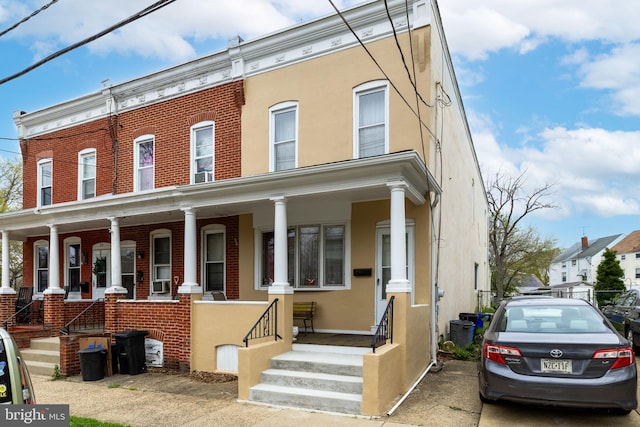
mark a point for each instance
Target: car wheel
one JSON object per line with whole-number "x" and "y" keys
{"x": 629, "y": 336}
{"x": 484, "y": 399}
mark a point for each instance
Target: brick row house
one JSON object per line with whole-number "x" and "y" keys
{"x": 284, "y": 169}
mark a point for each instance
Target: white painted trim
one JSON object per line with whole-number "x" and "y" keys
{"x": 192, "y": 133}
{"x": 282, "y": 107}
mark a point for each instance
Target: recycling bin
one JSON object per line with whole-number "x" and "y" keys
{"x": 461, "y": 332}
{"x": 131, "y": 354}
{"x": 92, "y": 363}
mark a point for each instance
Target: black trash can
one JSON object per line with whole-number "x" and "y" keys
{"x": 471, "y": 317}
{"x": 461, "y": 332}
{"x": 92, "y": 363}
{"x": 131, "y": 354}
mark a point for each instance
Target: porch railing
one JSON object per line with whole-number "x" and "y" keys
{"x": 266, "y": 326}
{"x": 91, "y": 318}
{"x": 384, "y": 331}
{"x": 25, "y": 316}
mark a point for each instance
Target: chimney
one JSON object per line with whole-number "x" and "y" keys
{"x": 585, "y": 242}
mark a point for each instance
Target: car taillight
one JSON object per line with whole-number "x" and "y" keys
{"x": 623, "y": 356}
{"x": 498, "y": 352}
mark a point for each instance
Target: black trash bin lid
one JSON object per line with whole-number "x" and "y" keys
{"x": 130, "y": 333}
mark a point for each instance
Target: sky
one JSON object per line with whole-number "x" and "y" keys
{"x": 551, "y": 88}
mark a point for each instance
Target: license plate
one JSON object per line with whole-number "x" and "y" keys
{"x": 556, "y": 366}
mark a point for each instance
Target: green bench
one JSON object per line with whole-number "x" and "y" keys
{"x": 305, "y": 311}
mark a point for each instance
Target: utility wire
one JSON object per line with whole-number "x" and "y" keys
{"x": 25, "y": 19}
{"x": 379, "y": 68}
{"x": 154, "y": 7}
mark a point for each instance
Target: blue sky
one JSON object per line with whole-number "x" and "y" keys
{"x": 551, "y": 87}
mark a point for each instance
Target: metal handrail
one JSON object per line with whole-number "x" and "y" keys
{"x": 15, "y": 315}
{"x": 384, "y": 331}
{"x": 66, "y": 329}
{"x": 266, "y": 326}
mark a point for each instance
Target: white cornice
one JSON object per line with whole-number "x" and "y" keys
{"x": 302, "y": 42}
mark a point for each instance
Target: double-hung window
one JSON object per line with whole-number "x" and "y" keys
{"x": 144, "y": 163}
{"x": 371, "y": 119}
{"x": 45, "y": 180}
{"x": 42, "y": 266}
{"x": 161, "y": 247}
{"x": 316, "y": 256}
{"x": 87, "y": 174}
{"x": 284, "y": 136}
{"x": 213, "y": 258}
{"x": 202, "y": 151}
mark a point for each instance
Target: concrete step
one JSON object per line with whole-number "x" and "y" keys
{"x": 42, "y": 356}
{"x": 327, "y": 363}
{"x": 313, "y": 380}
{"x": 51, "y": 343}
{"x": 320, "y": 400}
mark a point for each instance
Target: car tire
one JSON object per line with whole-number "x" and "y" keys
{"x": 629, "y": 336}
{"x": 484, "y": 399}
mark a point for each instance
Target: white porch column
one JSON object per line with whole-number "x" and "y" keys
{"x": 280, "y": 283}
{"x": 190, "y": 283}
{"x": 54, "y": 262}
{"x": 116, "y": 259}
{"x": 398, "y": 282}
{"x": 6, "y": 286}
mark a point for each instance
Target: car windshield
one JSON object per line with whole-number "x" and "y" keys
{"x": 551, "y": 319}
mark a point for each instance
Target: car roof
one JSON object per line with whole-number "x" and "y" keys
{"x": 547, "y": 301}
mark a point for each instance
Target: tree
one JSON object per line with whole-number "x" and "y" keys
{"x": 515, "y": 251}
{"x": 609, "y": 283}
{"x": 11, "y": 200}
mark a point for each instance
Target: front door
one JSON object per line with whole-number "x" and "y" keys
{"x": 383, "y": 270}
{"x": 101, "y": 271}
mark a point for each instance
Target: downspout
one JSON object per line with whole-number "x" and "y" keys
{"x": 434, "y": 316}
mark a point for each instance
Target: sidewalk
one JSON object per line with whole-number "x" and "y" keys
{"x": 448, "y": 397}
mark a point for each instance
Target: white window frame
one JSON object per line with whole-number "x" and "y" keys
{"x": 69, "y": 241}
{"x": 364, "y": 89}
{"x": 156, "y": 234}
{"x": 36, "y": 267}
{"x": 273, "y": 111}
{"x": 136, "y": 158}
{"x": 41, "y": 165}
{"x": 259, "y": 257}
{"x": 128, "y": 245}
{"x": 208, "y": 176}
{"x": 205, "y": 231}
{"x": 82, "y": 155}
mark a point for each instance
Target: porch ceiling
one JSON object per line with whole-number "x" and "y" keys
{"x": 351, "y": 181}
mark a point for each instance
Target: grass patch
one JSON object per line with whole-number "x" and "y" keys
{"x": 114, "y": 385}
{"x": 90, "y": 422}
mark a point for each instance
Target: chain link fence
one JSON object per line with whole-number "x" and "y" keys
{"x": 488, "y": 299}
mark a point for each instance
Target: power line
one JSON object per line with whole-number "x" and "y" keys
{"x": 154, "y": 7}
{"x": 25, "y": 19}
{"x": 379, "y": 68}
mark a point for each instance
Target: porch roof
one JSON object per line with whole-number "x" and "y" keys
{"x": 354, "y": 180}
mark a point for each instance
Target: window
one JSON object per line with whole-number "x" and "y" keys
{"x": 476, "y": 268}
{"x": 72, "y": 264}
{"x": 128, "y": 267}
{"x": 638, "y": 255}
{"x": 371, "y": 130}
{"x": 213, "y": 274}
{"x": 316, "y": 256}
{"x": 564, "y": 276}
{"x": 284, "y": 136}
{"x": 623, "y": 257}
{"x": 161, "y": 252}
{"x": 564, "y": 264}
{"x": 573, "y": 262}
{"x": 42, "y": 266}
{"x": 202, "y": 151}
{"x": 144, "y": 161}
{"x": 45, "y": 174}
{"x": 87, "y": 174}
{"x": 637, "y": 273}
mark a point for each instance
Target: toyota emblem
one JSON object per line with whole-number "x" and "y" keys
{"x": 556, "y": 353}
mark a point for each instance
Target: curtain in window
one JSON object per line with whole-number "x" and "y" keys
{"x": 88, "y": 176}
{"x": 145, "y": 165}
{"x": 284, "y": 139}
{"x": 371, "y": 123}
{"x": 204, "y": 149}
{"x": 334, "y": 255}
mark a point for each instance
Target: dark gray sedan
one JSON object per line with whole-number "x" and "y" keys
{"x": 559, "y": 352}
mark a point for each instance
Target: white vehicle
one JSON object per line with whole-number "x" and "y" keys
{"x": 15, "y": 382}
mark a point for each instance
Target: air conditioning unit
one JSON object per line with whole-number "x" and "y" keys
{"x": 160, "y": 287}
{"x": 203, "y": 177}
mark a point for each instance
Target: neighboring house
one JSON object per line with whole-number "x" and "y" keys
{"x": 628, "y": 253}
{"x": 279, "y": 170}
{"x": 580, "y": 290}
{"x": 580, "y": 262}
